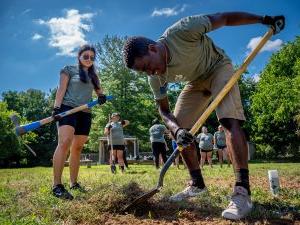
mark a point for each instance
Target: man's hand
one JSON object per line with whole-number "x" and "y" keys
{"x": 183, "y": 137}
{"x": 55, "y": 113}
{"x": 101, "y": 99}
{"x": 276, "y": 22}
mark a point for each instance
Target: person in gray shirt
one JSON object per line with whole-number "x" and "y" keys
{"x": 76, "y": 86}
{"x": 205, "y": 141}
{"x": 220, "y": 145}
{"x": 116, "y": 142}
{"x": 158, "y": 142}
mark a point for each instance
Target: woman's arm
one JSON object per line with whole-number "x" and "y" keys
{"x": 125, "y": 123}
{"x": 106, "y": 131}
{"x": 60, "y": 93}
{"x": 99, "y": 91}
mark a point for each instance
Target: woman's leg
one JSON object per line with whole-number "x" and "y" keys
{"x": 76, "y": 148}
{"x": 220, "y": 153}
{"x": 65, "y": 137}
{"x": 155, "y": 153}
{"x": 203, "y": 156}
{"x": 228, "y": 156}
{"x": 125, "y": 158}
{"x": 120, "y": 159}
{"x": 209, "y": 158}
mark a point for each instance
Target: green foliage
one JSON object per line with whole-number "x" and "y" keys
{"x": 35, "y": 105}
{"x": 12, "y": 150}
{"x": 276, "y": 101}
{"x": 10, "y": 145}
{"x": 247, "y": 87}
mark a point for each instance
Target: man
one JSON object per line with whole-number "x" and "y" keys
{"x": 184, "y": 53}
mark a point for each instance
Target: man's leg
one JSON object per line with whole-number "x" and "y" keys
{"x": 187, "y": 113}
{"x": 230, "y": 113}
{"x": 237, "y": 148}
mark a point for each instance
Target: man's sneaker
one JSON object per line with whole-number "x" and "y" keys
{"x": 190, "y": 191}
{"x": 239, "y": 206}
{"x": 77, "y": 186}
{"x": 59, "y": 191}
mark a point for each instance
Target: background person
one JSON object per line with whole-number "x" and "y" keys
{"x": 220, "y": 144}
{"x": 75, "y": 88}
{"x": 205, "y": 140}
{"x": 116, "y": 142}
{"x": 158, "y": 142}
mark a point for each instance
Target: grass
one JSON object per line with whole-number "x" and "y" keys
{"x": 25, "y": 197}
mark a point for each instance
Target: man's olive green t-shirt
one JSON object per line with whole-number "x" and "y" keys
{"x": 193, "y": 55}
{"x": 78, "y": 92}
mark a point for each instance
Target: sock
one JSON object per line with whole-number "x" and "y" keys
{"x": 122, "y": 168}
{"x": 197, "y": 178}
{"x": 242, "y": 179}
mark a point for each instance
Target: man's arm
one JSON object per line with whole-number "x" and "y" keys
{"x": 182, "y": 136}
{"x": 167, "y": 115}
{"x": 241, "y": 18}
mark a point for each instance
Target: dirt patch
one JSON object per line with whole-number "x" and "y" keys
{"x": 161, "y": 211}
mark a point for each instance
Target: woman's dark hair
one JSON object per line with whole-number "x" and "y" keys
{"x": 91, "y": 70}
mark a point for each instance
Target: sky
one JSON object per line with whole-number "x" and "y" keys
{"x": 38, "y": 37}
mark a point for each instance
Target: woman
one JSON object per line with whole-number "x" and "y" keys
{"x": 116, "y": 142}
{"x": 158, "y": 142}
{"x": 75, "y": 88}
{"x": 220, "y": 144}
{"x": 205, "y": 140}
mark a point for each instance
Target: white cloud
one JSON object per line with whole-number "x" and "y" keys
{"x": 67, "y": 33}
{"x": 168, "y": 11}
{"x": 269, "y": 46}
{"x": 36, "y": 37}
{"x": 256, "y": 77}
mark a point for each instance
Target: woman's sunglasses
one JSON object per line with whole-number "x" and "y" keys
{"x": 88, "y": 57}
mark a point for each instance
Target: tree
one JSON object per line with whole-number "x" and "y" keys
{"x": 12, "y": 149}
{"x": 133, "y": 97}
{"x": 276, "y": 101}
{"x": 35, "y": 105}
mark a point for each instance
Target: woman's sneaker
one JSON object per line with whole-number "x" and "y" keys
{"x": 77, "y": 186}
{"x": 239, "y": 206}
{"x": 113, "y": 169}
{"x": 188, "y": 192}
{"x": 59, "y": 191}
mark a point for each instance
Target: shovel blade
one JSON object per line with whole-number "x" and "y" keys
{"x": 141, "y": 199}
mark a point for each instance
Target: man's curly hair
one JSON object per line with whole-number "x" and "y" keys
{"x": 135, "y": 47}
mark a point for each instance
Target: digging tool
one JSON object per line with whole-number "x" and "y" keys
{"x": 20, "y": 130}
{"x": 16, "y": 121}
{"x": 213, "y": 105}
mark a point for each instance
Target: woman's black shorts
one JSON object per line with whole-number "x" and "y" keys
{"x": 202, "y": 150}
{"x": 221, "y": 146}
{"x": 117, "y": 147}
{"x": 81, "y": 121}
